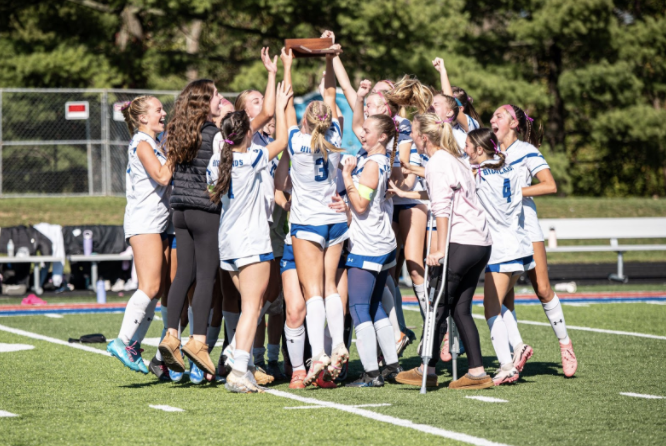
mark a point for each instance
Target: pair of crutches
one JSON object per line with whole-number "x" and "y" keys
{"x": 438, "y": 285}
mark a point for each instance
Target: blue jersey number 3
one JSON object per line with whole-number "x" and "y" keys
{"x": 506, "y": 190}
{"x": 321, "y": 170}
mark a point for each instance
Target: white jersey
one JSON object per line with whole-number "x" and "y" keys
{"x": 268, "y": 174}
{"x": 472, "y": 124}
{"x": 314, "y": 179}
{"x": 461, "y": 138}
{"x": 500, "y": 194}
{"x": 244, "y": 229}
{"x": 147, "y": 210}
{"x": 371, "y": 233}
{"x": 415, "y": 160}
{"x": 528, "y": 161}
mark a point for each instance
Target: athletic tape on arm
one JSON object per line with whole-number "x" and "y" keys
{"x": 366, "y": 192}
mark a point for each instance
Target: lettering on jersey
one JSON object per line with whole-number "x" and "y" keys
{"x": 306, "y": 149}
{"x": 238, "y": 163}
{"x": 504, "y": 169}
{"x": 216, "y": 163}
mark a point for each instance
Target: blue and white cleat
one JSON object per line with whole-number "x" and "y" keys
{"x": 175, "y": 376}
{"x": 196, "y": 374}
{"x": 366, "y": 380}
{"x": 228, "y": 354}
{"x": 134, "y": 353}
{"x": 118, "y": 349}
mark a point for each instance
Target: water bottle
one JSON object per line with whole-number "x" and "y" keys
{"x": 101, "y": 292}
{"x": 87, "y": 242}
{"x": 552, "y": 238}
{"x": 10, "y": 248}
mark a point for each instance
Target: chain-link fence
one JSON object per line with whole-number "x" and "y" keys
{"x": 49, "y": 147}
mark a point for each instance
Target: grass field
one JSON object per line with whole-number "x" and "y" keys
{"x": 63, "y": 395}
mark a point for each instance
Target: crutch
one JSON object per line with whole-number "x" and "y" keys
{"x": 454, "y": 346}
{"x": 440, "y": 284}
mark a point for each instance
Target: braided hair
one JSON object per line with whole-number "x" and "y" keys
{"x": 234, "y": 128}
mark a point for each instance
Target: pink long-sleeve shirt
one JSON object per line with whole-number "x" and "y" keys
{"x": 469, "y": 225}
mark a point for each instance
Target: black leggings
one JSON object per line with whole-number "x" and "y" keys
{"x": 198, "y": 259}
{"x": 466, "y": 262}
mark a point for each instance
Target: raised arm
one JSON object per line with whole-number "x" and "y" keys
{"x": 284, "y": 94}
{"x": 359, "y": 114}
{"x": 268, "y": 110}
{"x": 159, "y": 173}
{"x": 287, "y": 59}
{"x": 282, "y": 180}
{"x": 438, "y": 63}
{"x": 329, "y": 87}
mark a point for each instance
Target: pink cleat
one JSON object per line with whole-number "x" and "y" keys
{"x": 507, "y": 374}
{"x": 521, "y": 355}
{"x": 445, "y": 352}
{"x": 569, "y": 361}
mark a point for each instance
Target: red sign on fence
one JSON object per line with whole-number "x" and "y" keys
{"x": 77, "y": 110}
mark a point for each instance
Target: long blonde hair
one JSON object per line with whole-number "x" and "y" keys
{"x": 131, "y": 111}
{"x": 439, "y": 132}
{"x": 409, "y": 92}
{"x": 319, "y": 117}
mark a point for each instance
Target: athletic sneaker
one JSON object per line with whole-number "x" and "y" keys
{"x": 339, "y": 356}
{"x": 134, "y": 354}
{"x": 507, "y": 374}
{"x": 297, "y": 378}
{"x": 317, "y": 366}
{"x": 228, "y": 355}
{"x": 117, "y": 348}
{"x": 325, "y": 380}
{"x": 196, "y": 374}
{"x": 410, "y": 334}
{"x": 273, "y": 369}
{"x": 159, "y": 369}
{"x": 175, "y": 376}
{"x": 521, "y": 354}
{"x": 260, "y": 376}
{"x": 242, "y": 384}
{"x": 366, "y": 380}
{"x": 569, "y": 361}
{"x": 445, "y": 352}
{"x": 390, "y": 373}
{"x": 402, "y": 344}
{"x": 221, "y": 369}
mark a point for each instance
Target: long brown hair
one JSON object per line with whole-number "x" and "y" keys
{"x": 387, "y": 126}
{"x": 486, "y": 139}
{"x": 191, "y": 110}
{"x": 319, "y": 117}
{"x": 525, "y": 125}
{"x": 234, "y": 128}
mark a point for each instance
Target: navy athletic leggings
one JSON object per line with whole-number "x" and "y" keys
{"x": 466, "y": 262}
{"x": 365, "y": 295}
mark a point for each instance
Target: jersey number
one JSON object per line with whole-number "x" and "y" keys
{"x": 506, "y": 190}
{"x": 321, "y": 170}
{"x": 230, "y": 194}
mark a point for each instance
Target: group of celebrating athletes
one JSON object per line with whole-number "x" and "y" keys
{"x": 243, "y": 213}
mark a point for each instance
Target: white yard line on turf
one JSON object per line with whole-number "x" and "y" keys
{"x": 326, "y": 407}
{"x": 166, "y": 408}
{"x": 4, "y": 413}
{"x": 388, "y": 419}
{"x": 350, "y": 409}
{"x": 640, "y": 395}
{"x": 54, "y": 316}
{"x": 487, "y": 399}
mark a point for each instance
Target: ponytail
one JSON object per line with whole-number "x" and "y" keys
{"x": 525, "y": 125}
{"x": 486, "y": 139}
{"x": 234, "y": 128}
{"x": 131, "y": 111}
{"x": 439, "y": 132}
{"x": 320, "y": 118}
{"x": 389, "y": 127}
{"x": 466, "y": 103}
{"x": 409, "y": 92}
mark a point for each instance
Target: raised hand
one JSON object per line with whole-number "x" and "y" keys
{"x": 364, "y": 88}
{"x": 284, "y": 92}
{"x": 287, "y": 57}
{"x": 271, "y": 65}
{"x": 349, "y": 165}
{"x": 328, "y": 34}
{"x": 438, "y": 63}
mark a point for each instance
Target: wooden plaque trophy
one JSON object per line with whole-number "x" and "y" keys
{"x": 309, "y": 47}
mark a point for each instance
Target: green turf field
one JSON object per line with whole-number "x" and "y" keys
{"x": 63, "y": 395}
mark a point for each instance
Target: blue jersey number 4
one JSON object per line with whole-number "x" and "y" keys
{"x": 321, "y": 170}
{"x": 506, "y": 190}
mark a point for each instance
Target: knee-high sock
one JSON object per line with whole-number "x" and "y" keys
{"x": 316, "y": 319}
{"x": 500, "y": 339}
{"x": 134, "y": 314}
{"x": 295, "y": 345}
{"x": 419, "y": 291}
{"x": 397, "y": 297}
{"x": 366, "y": 344}
{"x": 511, "y": 327}
{"x": 190, "y": 318}
{"x": 553, "y": 310}
{"x": 386, "y": 340}
{"x": 273, "y": 352}
{"x": 328, "y": 341}
{"x": 140, "y": 332}
{"x": 389, "y": 307}
{"x": 335, "y": 316}
{"x": 230, "y": 323}
{"x": 258, "y": 355}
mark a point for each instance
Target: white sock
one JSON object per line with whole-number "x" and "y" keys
{"x": 328, "y": 341}
{"x": 258, "y": 355}
{"x": 230, "y": 323}
{"x": 389, "y": 307}
{"x": 316, "y": 319}
{"x": 419, "y": 291}
{"x": 386, "y": 341}
{"x": 366, "y": 344}
{"x": 511, "y": 327}
{"x": 553, "y": 310}
{"x": 500, "y": 339}
{"x": 141, "y": 331}
{"x": 134, "y": 314}
{"x": 335, "y": 316}
{"x": 273, "y": 352}
{"x": 212, "y": 335}
{"x": 241, "y": 359}
{"x": 295, "y": 345}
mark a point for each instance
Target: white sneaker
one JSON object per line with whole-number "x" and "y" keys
{"x": 131, "y": 285}
{"x": 118, "y": 286}
{"x": 243, "y": 384}
{"x": 506, "y": 375}
{"x": 338, "y": 358}
{"x": 316, "y": 366}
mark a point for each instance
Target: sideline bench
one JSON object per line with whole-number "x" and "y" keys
{"x": 37, "y": 260}
{"x": 94, "y": 259}
{"x": 605, "y": 228}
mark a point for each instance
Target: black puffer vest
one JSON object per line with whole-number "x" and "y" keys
{"x": 189, "y": 180}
